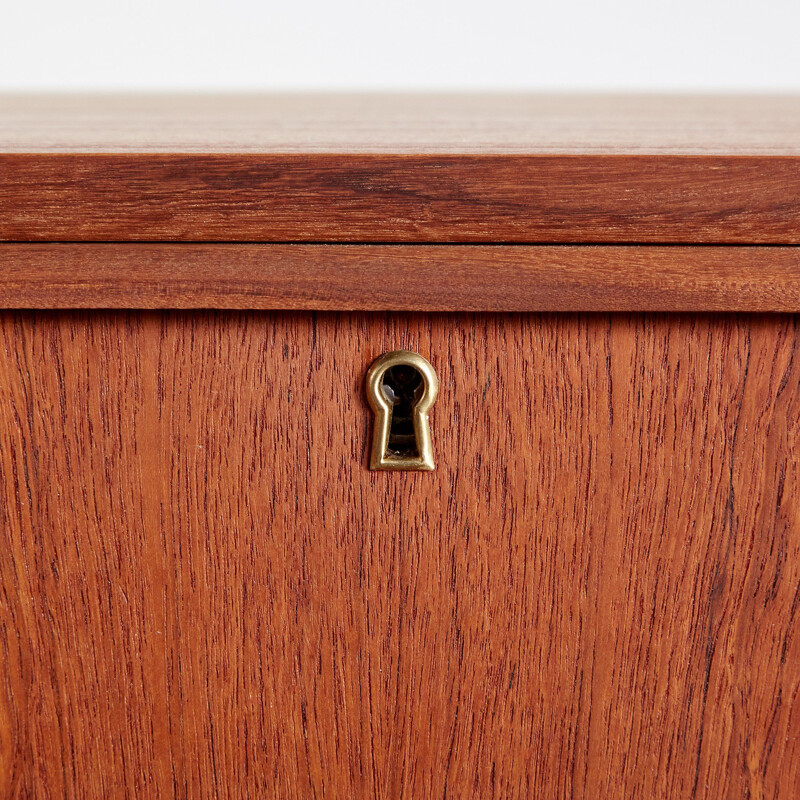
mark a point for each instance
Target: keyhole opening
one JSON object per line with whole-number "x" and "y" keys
{"x": 402, "y": 386}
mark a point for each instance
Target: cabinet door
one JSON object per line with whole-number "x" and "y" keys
{"x": 205, "y": 592}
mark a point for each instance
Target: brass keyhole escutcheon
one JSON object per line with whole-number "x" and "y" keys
{"x": 401, "y": 388}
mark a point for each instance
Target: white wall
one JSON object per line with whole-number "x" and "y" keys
{"x": 402, "y": 44}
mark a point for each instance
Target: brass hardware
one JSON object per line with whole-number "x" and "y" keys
{"x": 401, "y": 388}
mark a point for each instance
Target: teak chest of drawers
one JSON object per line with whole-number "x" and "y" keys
{"x": 207, "y": 592}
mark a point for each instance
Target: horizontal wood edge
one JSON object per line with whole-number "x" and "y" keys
{"x": 400, "y": 277}
{"x": 486, "y": 198}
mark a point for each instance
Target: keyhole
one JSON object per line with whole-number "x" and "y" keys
{"x": 401, "y": 388}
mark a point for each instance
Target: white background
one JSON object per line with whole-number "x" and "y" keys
{"x": 410, "y": 44}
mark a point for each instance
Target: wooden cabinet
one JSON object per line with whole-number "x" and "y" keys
{"x": 205, "y": 590}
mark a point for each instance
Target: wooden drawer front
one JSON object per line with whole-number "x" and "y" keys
{"x": 205, "y": 591}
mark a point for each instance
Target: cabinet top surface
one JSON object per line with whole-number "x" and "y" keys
{"x": 402, "y": 124}
{"x": 441, "y": 169}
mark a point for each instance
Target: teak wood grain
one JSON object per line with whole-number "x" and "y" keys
{"x": 398, "y": 277}
{"x": 437, "y": 169}
{"x": 400, "y": 198}
{"x": 421, "y": 124}
{"x": 206, "y": 593}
